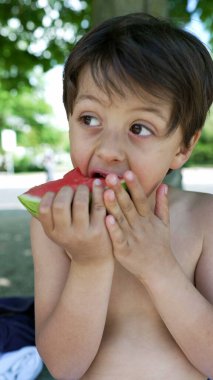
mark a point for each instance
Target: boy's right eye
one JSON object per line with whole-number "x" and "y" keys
{"x": 89, "y": 120}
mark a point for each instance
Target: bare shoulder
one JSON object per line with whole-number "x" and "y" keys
{"x": 195, "y": 211}
{"x": 194, "y": 206}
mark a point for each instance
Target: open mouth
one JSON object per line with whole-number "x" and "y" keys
{"x": 102, "y": 175}
{"x": 99, "y": 175}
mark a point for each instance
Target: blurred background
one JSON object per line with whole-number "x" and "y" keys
{"x": 36, "y": 36}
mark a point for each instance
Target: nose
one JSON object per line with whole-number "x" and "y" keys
{"x": 111, "y": 147}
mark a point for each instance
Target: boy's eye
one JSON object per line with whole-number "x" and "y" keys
{"x": 92, "y": 121}
{"x": 140, "y": 130}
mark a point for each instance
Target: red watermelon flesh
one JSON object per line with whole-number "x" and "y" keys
{"x": 31, "y": 198}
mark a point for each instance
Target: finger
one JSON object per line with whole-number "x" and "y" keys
{"x": 161, "y": 205}
{"x": 98, "y": 209}
{"x": 80, "y": 207}
{"x": 137, "y": 193}
{"x": 61, "y": 209}
{"x": 117, "y": 236}
{"x": 126, "y": 205}
{"x": 45, "y": 211}
{"x": 114, "y": 209}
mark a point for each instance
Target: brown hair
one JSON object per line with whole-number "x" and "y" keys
{"x": 141, "y": 51}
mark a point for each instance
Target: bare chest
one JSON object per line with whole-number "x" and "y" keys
{"x": 136, "y": 344}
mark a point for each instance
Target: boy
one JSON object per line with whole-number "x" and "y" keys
{"x": 125, "y": 290}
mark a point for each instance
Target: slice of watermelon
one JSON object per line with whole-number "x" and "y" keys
{"x": 31, "y": 198}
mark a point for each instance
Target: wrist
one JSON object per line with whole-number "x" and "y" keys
{"x": 160, "y": 274}
{"x": 94, "y": 265}
{"x": 92, "y": 276}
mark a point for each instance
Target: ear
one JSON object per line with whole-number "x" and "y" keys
{"x": 184, "y": 153}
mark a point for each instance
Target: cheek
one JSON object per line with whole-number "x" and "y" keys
{"x": 75, "y": 149}
{"x": 80, "y": 156}
{"x": 150, "y": 173}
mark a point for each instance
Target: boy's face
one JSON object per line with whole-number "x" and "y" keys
{"x": 112, "y": 135}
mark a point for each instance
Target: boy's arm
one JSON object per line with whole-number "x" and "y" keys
{"x": 204, "y": 269}
{"x": 187, "y": 310}
{"x": 141, "y": 244}
{"x": 71, "y": 302}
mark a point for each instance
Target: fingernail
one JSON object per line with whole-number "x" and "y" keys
{"x": 113, "y": 179}
{"x": 65, "y": 190}
{"x": 47, "y": 200}
{"x": 97, "y": 182}
{"x": 45, "y": 205}
{"x": 165, "y": 189}
{"x": 111, "y": 219}
{"x": 129, "y": 175}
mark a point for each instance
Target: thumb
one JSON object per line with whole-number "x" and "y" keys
{"x": 162, "y": 204}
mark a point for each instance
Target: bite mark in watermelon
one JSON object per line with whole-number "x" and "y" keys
{"x": 31, "y": 198}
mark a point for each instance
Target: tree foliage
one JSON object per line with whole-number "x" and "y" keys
{"x": 42, "y": 32}
{"x": 186, "y": 11}
{"x": 37, "y": 33}
{"x": 28, "y": 115}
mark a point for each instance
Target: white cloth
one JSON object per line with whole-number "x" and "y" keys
{"x": 22, "y": 364}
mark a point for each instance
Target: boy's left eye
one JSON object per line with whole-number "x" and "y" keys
{"x": 140, "y": 130}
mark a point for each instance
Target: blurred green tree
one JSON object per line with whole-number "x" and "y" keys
{"x": 37, "y": 33}
{"x": 42, "y": 32}
{"x": 28, "y": 115}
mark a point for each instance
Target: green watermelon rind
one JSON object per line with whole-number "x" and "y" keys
{"x": 31, "y": 203}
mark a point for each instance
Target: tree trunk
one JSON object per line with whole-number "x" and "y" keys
{"x": 102, "y": 9}
{"x": 156, "y": 7}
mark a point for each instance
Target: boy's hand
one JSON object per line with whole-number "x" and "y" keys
{"x": 66, "y": 220}
{"x": 140, "y": 237}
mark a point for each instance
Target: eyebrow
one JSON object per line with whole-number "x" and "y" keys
{"x": 87, "y": 97}
{"x": 151, "y": 109}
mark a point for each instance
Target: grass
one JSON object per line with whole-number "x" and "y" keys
{"x": 16, "y": 273}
